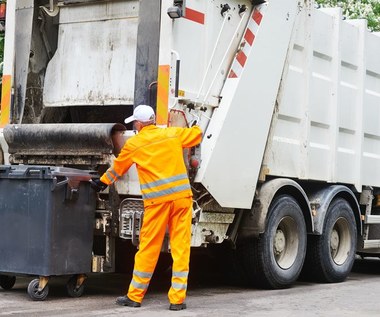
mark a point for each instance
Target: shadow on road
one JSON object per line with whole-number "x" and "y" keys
{"x": 368, "y": 265}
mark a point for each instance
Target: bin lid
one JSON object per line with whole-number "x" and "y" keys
{"x": 74, "y": 173}
{"x": 45, "y": 172}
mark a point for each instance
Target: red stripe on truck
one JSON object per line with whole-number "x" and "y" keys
{"x": 249, "y": 37}
{"x": 232, "y": 74}
{"x": 194, "y": 15}
{"x": 241, "y": 58}
{"x": 257, "y": 17}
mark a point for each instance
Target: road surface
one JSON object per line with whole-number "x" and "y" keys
{"x": 207, "y": 296}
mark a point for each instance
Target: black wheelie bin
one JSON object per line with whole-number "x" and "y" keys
{"x": 46, "y": 226}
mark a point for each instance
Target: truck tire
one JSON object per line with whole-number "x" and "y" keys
{"x": 330, "y": 256}
{"x": 1, "y": 156}
{"x": 274, "y": 260}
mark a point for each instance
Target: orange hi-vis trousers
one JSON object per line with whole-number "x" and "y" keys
{"x": 176, "y": 215}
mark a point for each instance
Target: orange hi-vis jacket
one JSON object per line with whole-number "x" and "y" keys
{"x": 158, "y": 155}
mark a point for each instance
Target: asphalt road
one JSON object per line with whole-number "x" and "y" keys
{"x": 207, "y": 296}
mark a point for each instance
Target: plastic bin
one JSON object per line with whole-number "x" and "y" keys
{"x": 46, "y": 221}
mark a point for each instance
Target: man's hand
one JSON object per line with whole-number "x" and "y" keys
{"x": 98, "y": 185}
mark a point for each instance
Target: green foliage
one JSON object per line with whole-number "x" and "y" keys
{"x": 358, "y": 9}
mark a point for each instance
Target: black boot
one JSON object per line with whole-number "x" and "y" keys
{"x": 125, "y": 301}
{"x": 177, "y": 306}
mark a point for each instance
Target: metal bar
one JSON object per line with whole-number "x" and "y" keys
{"x": 61, "y": 139}
{"x": 371, "y": 244}
{"x": 226, "y": 17}
{"x": 371, "y": 219}
{"x": 148, "y": 35}
{"x": 178, "y": 62}
{"x": 222, "y": 61}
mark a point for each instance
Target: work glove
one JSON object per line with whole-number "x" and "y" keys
{"x": 97, "y": 185}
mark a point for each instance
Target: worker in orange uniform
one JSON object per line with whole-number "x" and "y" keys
{"x": 158, "y": 155}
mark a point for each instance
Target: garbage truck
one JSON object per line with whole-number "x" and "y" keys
{"x": 287, "y": 95}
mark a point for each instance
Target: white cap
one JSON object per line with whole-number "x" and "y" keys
{"x": 142, "y": 113}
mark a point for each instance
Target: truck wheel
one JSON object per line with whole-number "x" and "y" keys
{"x": 275, "y": 259}
{"x": 7, "y": 282}
{"x": 34, "y": 293}
{"x": 330, "y": 257}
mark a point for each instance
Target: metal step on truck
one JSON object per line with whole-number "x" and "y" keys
{"x": 288, "y": 97}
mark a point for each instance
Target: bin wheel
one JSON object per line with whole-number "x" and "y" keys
{"x": 72, "y": 288}
{"x": 34, "y": 293}
{"x": 7, "y": 282}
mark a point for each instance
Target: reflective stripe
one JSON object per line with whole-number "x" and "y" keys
{"x": 115, "y": 175}
{"x": 168, "y": 191}
{"x": 139, "y": 285}
{"x": 6, "y": 97}
{"x": 111, "y": 176}
{"x": 143, "y": 274}
{"x": 163, "y": 181}
{"x": 163, "y": 78}
{"x": 179, "y": 286}
{"x": 180, "y": 274}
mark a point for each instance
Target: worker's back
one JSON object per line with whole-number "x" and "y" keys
{"x": 158, "y": 156}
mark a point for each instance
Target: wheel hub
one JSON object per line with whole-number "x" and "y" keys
{"x": 334, "y": 241}
{"x": 285, "y": 243}
{"x": 279, "y": 242}
{"x": 340, "y": 241}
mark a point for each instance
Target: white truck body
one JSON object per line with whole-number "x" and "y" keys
{"x": 288, "y": 97}
{"x": 326, "y": 126}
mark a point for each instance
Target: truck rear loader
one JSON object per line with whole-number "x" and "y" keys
{"x": 287, "y": 94}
